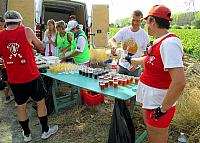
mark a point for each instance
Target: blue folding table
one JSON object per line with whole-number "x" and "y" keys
{"x": 79, "y": 81}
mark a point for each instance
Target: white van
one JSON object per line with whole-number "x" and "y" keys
{"x": 62, "y": 9}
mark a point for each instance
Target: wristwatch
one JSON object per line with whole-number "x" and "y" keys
{"x": 163, "y": 110}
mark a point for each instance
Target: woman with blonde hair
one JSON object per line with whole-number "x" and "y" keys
{"x": 49, "y": 38}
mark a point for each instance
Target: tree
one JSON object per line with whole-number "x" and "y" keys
{"x": 122, "y": 22}
{"x": 196, "y": 24}
{"x": 112, "y": 25}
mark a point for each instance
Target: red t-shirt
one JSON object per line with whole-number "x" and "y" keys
{"x": 154, "y": 74}
{"x": 18, "y": 56}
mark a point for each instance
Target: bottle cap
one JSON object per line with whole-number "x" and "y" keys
{"x": 182, "y": 133}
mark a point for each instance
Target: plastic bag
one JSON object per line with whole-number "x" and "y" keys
{"x": 122, "y": 129}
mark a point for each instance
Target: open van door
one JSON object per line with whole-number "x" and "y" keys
{"x": 26, "y": 8}
{"x": 100, "y": 26}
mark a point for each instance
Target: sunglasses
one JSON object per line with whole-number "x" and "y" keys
{"x": 149, "y": 48}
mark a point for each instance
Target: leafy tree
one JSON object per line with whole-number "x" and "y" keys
{"x": 196, "y": 24}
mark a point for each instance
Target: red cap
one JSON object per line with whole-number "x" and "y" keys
{"x": 160, "y": 11}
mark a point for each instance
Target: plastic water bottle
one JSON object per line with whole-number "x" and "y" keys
{"x": 182, "y": 138}
{"x": 114, "y": 66}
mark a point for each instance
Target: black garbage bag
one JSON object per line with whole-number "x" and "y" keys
{"x": 122, "y": 129}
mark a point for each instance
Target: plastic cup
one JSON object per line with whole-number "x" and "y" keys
{"x": 102, "y": 85}
{"x": 137, "y": 80}
{"x": 101, "y": 78}
{"x": 83, "y": 72}
{"x": 120, "y": 81}
{"x": 131, "y": 79}
{"x": 80, "y": 72}
{"x": 115, "y": 79}
{"x": 115, "y": 84}
{"x": 86, "y": 73}
{"x": 106, "y": 83}
{"x": 106, "y": 78}
{"x": 124, "y": 82}
{"x": 111, "y": 82}
{"x": 110, "y": 78}
{"x": 95, "y": 75}
{"x": 90, "y": 74}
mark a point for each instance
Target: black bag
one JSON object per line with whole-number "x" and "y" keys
{"x": 122, "y": 129}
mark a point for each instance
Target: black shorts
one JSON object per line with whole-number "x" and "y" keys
{"x": 34, "y": 89}
{"x": 4, "y": 74}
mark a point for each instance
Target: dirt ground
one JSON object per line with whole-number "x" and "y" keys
{"x": 82, "y": 124}
{"x": 78, "y": 124}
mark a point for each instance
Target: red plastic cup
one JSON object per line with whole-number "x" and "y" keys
{"x": 120, "y": 81}
{"x": 131, "y": 78}
{"x": 124, "y": 82}
{"x": 106, "y": 78}
{"x": 102, "y": 85}
{"x": 110, "y": 78}
{"x": 101, "y": 78}
{"x": 115, "y": 79}
{"x": 137, "y": 80}
{"x": 106, "y": 83}
{"x": 111, "y": 82}
{"x": 115, "y": 84}
{"x": 129, "y": 81}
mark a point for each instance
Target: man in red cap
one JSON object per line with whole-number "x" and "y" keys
{"x": 163, "y": 79}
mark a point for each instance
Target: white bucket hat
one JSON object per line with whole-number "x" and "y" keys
{"x": 71, "y": 25}
{"x": 12, "y": 16}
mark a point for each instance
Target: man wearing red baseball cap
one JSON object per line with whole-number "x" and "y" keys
{"x": 160, "y": 11}
{"x": 163, "y": 79}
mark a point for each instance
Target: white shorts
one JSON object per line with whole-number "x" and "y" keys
{"x": 150, "y": 97}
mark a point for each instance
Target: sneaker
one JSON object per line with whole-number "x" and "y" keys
{"x": 52, "y": 130}
{"x": 27, "y": 138}
{"x": 9, "y": 100}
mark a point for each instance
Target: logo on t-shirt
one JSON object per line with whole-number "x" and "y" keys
{"x": 151, "y": 59}
{"x": 14, "y": 50}
{"x": 131, "y": 46}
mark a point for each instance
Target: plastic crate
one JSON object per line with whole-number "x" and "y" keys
{"x": 92, "y": 99}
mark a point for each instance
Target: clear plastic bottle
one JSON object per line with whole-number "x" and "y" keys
{"x": 182, "y": 138}
{"x": 114, "y": 65}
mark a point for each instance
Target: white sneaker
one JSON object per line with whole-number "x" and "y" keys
{"x": 9, "y": 100}
{"x": 27, "y": 138}
{"x": 52, "y": 130}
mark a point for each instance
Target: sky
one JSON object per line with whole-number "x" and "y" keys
{"x": 123, "y": 8}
